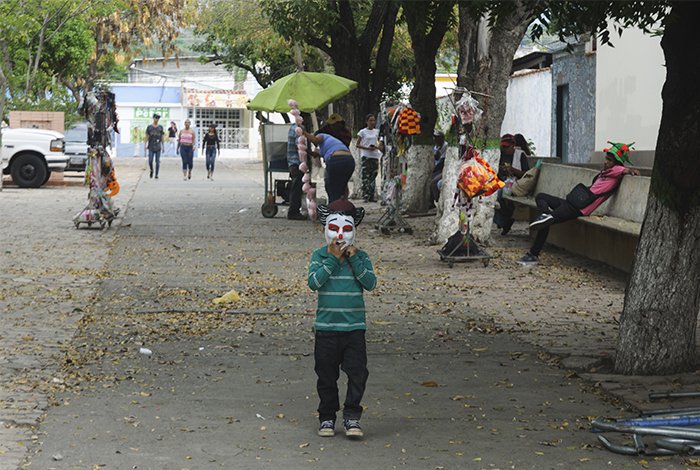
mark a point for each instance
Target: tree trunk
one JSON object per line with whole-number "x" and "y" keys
{"x": 422, "y": 96}
{"x": 425, "y": 43}
{"x": 658, "y": 323}
{"x": 416, "y": 192}
{"x": 486, "y": 61}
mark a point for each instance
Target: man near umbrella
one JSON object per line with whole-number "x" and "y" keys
{"x": 293, "y": 162}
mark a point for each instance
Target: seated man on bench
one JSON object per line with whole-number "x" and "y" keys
{"x": 581, "y": 201}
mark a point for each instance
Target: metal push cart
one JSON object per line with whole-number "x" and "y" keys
{"x": 274, "y": 141}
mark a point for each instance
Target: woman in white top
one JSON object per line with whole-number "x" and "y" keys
{"x": 371, "y": 148}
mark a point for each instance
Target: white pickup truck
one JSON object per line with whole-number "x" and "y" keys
{"x": 30, "y": 155}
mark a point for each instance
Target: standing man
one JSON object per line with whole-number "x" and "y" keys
{"x": 293, "y": 162}
{"x": 155, "y": 135}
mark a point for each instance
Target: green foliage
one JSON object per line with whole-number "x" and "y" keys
{"x": 573, "y": 19}
{"x": 237, "y": 34}
{"x": 302, "y": 20}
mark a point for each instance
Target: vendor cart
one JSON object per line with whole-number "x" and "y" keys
{"x": 274, "y": 141}
{"x": 461, "y": 246}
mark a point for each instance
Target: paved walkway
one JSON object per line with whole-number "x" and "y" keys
{"x": 464, "y": 362}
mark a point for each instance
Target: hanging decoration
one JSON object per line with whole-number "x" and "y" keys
{"x": 307, "y": 187}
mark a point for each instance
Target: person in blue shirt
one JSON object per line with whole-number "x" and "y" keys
{"x": 340, "y": 163}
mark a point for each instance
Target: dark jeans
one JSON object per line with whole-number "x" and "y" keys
{"x": 151, "y": 155}
{"x": 435, "y": 187}
{"x": 335, "y": 351}
{"x": 339, "y": 169}
{"x": 370, "y": 170}
{"x": 560, "y": 210}
{"x": 210, "y": 158}
{"x": 503, "y": 217}
{"x": 186, "y": 153}
{"x": 295, "y": 190}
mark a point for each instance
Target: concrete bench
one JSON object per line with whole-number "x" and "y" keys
{"x": 610, "y": 234}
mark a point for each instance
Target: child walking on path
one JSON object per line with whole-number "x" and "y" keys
{"x": 340, "y": 272}
{"x": 371, "y": 149}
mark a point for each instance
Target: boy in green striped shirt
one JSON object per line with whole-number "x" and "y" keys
{"x": 340, "y": 273}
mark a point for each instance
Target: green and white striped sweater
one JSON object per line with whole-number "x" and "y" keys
{"x": 340, "y": 286}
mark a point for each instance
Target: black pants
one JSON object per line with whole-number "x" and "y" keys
{"x": 503, "y": 217}
{"x": 560, "y": 210}
{"x": 434, "y": 186}
{"x": 335, "y": 351}
{"x": 295, "y": 190}
{"x": 339, "y": 169}
{"x": 370, "y": 170}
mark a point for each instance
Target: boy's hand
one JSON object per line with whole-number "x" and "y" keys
{"x": 351, "y": 251}
{"x": 337, "y": 248}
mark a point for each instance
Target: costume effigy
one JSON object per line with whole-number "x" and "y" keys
{"x": 101, "y": 114}
{"x": 476, "y": 179}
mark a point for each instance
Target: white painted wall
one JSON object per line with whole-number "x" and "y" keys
{"x": 629, "y": 78}
{"x": 529, "y": 108}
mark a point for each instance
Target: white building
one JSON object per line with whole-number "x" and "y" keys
{"x": 205, "y": 93}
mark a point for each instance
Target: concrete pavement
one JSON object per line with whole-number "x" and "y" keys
{"x": 460, "y": 374}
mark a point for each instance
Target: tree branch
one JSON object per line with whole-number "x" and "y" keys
{"x": 382, "y": 61}
{"x": 374, "y": 23}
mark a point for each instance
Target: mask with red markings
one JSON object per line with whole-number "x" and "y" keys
{"x": 340, "y": 226}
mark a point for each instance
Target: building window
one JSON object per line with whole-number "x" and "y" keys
{"x": 563, "y": 122}
{"x": 229, "y": 124}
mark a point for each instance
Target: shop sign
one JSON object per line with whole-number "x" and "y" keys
{"x": 148, "y": 112}
{"x": 194, "y": 98}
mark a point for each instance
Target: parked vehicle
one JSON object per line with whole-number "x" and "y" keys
{"x": 31, "y": 155}
{"x": 76, "y": 146}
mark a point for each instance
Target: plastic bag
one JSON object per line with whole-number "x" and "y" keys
{"x": 477, "y": 178}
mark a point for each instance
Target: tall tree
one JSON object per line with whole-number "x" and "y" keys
{"x": 123, "y": 25}
{"x": 489, "y": 36}
{"x": 662, "y": 300}
{"x": 357, "y": 36}
{"x": 427, "y": 23}
{"x": 237, "y": 34}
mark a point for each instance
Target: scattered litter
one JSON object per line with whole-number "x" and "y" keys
{"x": 243, "y": 210}
{"x": 23, "y": 280}
{"x": 57, "y": 457}
{"x": 56, "y": 380}
{"x": 145, "y": 351}
{"x": 230, "y": 296}
{"x": 258, "y": 415}
{"x": 201, "y": 348}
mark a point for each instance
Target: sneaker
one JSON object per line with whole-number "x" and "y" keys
{"x": 529, "y": 260}
{"x": 544, "y": 220}
{"x": 352, "y": 428}
{"x": 327, "y": 428}
{"x": 151, "y": 175}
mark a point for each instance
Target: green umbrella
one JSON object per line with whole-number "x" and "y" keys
{"x": 312, "y": 90}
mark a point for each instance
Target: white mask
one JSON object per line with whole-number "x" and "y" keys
{"x": 340, "y": 226}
